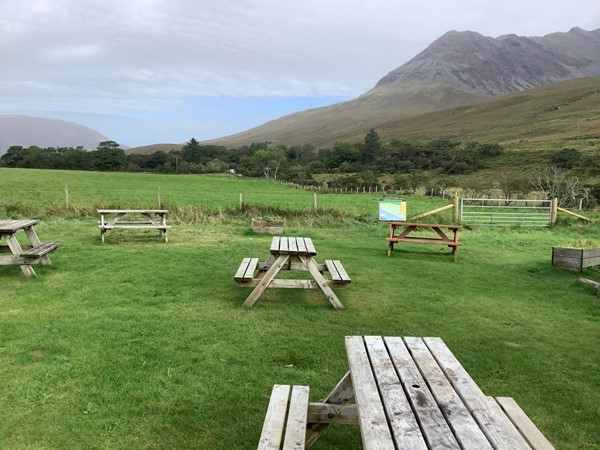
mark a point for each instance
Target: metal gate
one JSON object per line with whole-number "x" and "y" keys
{"x": 502, "y": 212}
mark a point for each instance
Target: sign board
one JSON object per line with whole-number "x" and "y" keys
{"x": 392, "y": 209}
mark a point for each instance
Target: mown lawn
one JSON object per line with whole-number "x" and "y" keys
{"x": 139, "y": 343}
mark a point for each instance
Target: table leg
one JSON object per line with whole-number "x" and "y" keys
{"x": 310, "y": 264}
{"x": 341, "y": 394}
{"x": 266, "y": 280}
{"x": 16, "y": 248}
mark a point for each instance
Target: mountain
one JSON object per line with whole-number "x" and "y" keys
{"x": 458, "y": 69}
{"x": 27, "y": 131}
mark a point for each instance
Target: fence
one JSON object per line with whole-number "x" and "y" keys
{"x": 502, "y": 212}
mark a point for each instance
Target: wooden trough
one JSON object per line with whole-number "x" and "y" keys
{"x": 575, "y": 259}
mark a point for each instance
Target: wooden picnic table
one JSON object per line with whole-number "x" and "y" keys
{"x": 36, "y": 252}
{"x": 401, "y": 232}
{"x": 291, "y": 253}
{"x": 151, "y": 218}
{"x": 410, "y": 393}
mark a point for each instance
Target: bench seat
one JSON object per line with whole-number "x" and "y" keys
{"x": 40, "y": 250}
{"x": 285, "y": 413}
{"x": 156, "y": 227}
{"x": 246, "y": 270}
{"x": 337, "y": 271}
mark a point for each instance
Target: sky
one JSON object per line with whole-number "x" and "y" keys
{"x": 163, "y": 71}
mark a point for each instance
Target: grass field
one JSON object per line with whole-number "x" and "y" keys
{"x": 139, "y": 343}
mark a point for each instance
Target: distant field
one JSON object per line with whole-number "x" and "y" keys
{"x": 40, "y": 189}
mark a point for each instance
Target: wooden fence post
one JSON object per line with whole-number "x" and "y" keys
{"x": 67, "y": 195}
{"x": 315, "y": 200}
{"x": 554, "y": 211}
{"x": 455, "y": 209}
{"x": 241, "y": 200}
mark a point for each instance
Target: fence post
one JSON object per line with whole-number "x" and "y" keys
{"x": 455, "y": 209}
{"x": 67, "y": 195}
{"x": 241, "y": 200}
{"x": 554, "y": 211}
{"x": 315, "y": 200}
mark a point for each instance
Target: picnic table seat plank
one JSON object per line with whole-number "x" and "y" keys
{"x": 246, "y": 270}
{"x": 465, "y": 429}
{"x": 497, "y": 427}
{"x": 425, "y": 408}
{"x": 10, "y": 226}
{"x": 310, "y": 247}
{"x": 40, "y": 250}
{"x": 523, "y": 423}
{"x": 337, "y": 271}
{"x": 295, "y": 429}
{"x": 272, "y": 431}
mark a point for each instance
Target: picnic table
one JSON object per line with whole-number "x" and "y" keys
{"x": 410, "y": 393}
{"x": 24, "y": 255}
{"x": 150, "y": 218}
{"x": 296, "y": 254}
{"x": 401, "y": 232}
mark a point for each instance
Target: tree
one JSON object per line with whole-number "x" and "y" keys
{"x": 372, "y": 147}
{"x": 191, "y": 151}
{"x": 109, "y": 156}
{"x": 567, "y": 158}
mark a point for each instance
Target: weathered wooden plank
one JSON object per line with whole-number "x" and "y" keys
{"x": 132, "y": 211}
{"x": 374, "y": 429}
{"x": 332, "y": 413}
{"x": 272, "y": 431}
{"x": 275, "y": 244}
{"x": 241, "y": 271}
{"x": 425, "y": 240}
{"x": 343, "y": 274}
{"x": 335, "y": 275}
{"x": 310, "y": 248}
{"x": 526, "y": 427}
{"x": 301, "y": 246}
{"x": 324, "y": 284}
{"x": 426, "y": 410}
{"x": 10, "y": 226}
{"x": 269, "y": 275}
{"x": 295, "y": 429}
{"x": 283, "y": 245}
{"x": 466, "y": 430}
{"x": 119, "y": 225}
{"x": 292, "y": 246}
{"x": 426, "y": 225}
{"x": 41, "y": 250}
{"x": 497, "y": 428}
{"x": 404, "y": 425}
{"x": 249, "y": 274}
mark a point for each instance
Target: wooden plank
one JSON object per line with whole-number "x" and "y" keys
{"x": 374, "y": 429}
{"x": 241, "y": 271}
{"x": 497, "y": 428}
{"x": 283, "y": 245}
{"x": 119, "y": 225}
{"x": 272, "y": 431}
{"x": 431, "y": 420}
{"x": 404, "y": 426}
{"x": 335, "y": 276}
{"x": 16, "y": 249}
{"x": 526, "y": 427}
{"x": 426, "y": 225}
{"x": 579, "y": 216}
{"x": 301, "y": 246}
{"x": 343, "y": 274}
{"x": 10, "y": 226}
{"x": 465, "y": 428}
{"x": 275, "y": 244}
{"x": 310, "y": 248}
{"x": 132, "y": 211}
{"x": 295, "y": 430}
{"x": 324, "y": 284}
{"x": 269, "y": 275}
{"x": 332, "y": 413}
{"x": 41, "y": 250}
{"x": 425, "y": 240}
{"x": 249, "y": 273}
{"x": 292, "y": 246}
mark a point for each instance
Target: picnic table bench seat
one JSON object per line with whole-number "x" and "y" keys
{"x": 246, "y": 270}
{"x": 288, "y": 414}
{"x": 40, "y": 250}
{"x": 337, "y": 271}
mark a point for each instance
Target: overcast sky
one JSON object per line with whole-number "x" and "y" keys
{"x": 151, "y": 71}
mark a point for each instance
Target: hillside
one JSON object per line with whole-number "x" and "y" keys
{"x": 458, "y": 69}
{"x": 27, "y": 131}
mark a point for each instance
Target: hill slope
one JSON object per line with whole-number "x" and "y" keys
{"x": 27, "y": 131}
{"x": 460, "y": 68}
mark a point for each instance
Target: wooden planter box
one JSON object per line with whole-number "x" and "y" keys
{"x": 575, "y": 259}
{"x": 271, "y": 227}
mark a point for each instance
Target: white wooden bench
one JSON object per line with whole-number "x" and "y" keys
{"x": 288, "y": 414}
{"x": 152, "y": 218}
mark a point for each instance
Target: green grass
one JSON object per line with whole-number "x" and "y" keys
{"x": 141, "y": 344}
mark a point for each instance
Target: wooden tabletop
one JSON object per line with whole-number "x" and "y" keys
{"x": 426, "y": 225}
{"x": 412, "y": 393}
{"x": 132, "y": 211}
{"x": 10, "y": 226}
{"x": 282, "y": 245}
